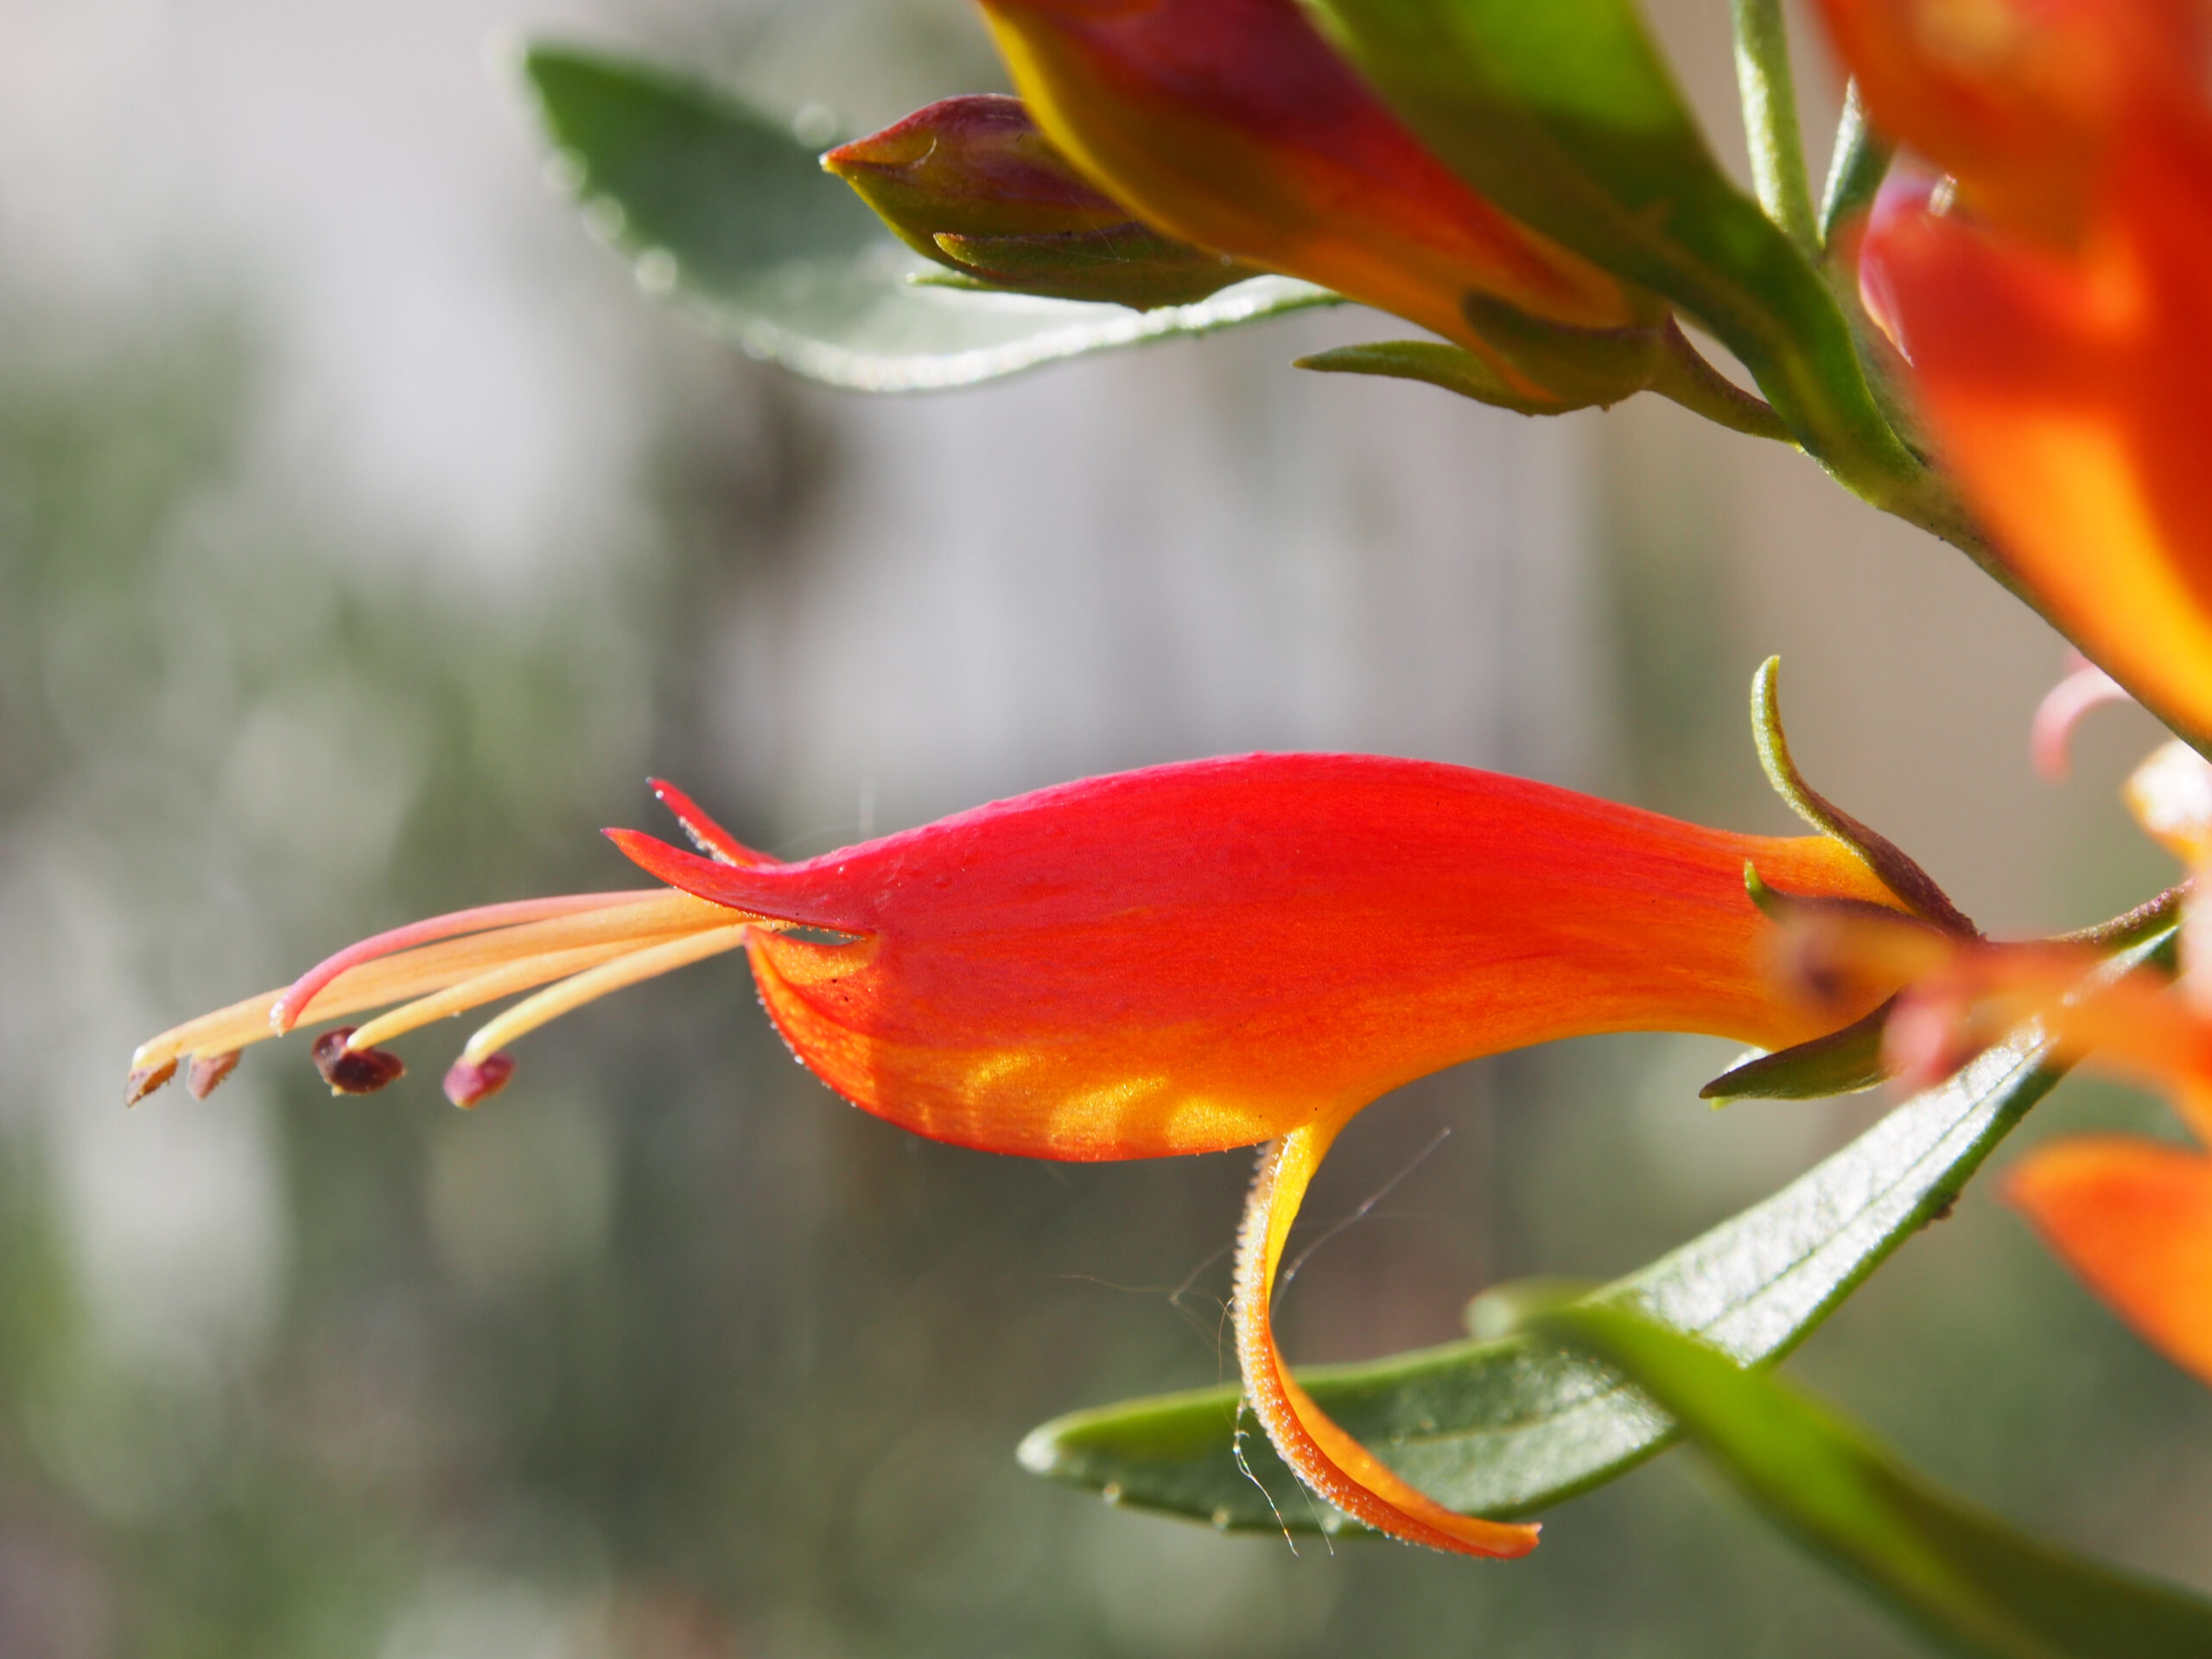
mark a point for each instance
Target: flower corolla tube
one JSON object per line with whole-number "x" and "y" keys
{"x": 1184, "y": 959}
{"x": 1234, "y": 126}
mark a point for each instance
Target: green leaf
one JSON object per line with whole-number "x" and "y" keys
{"x": 1564, "y": 114}
{"x": 1964, "y": 1576}
{"x": 1506, "y": 1427}
{"x": 727, "y": 211}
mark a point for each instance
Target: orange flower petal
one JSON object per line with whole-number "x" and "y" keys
{"x": 2133, "y": 1220}
{"x": 1326, "y": 1459}
{"x": 2065, "y": 391}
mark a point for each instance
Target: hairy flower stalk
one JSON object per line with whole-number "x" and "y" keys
{"x": 1185, "y": 959}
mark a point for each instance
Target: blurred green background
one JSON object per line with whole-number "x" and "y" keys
{"x": 364, "y": 541}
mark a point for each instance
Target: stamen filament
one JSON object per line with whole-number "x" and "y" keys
{"x": 647, "y": 916}
{"x": 594, "y": 982}
{"x": 485, "y": 988}
{"x": 294, "y": 1003}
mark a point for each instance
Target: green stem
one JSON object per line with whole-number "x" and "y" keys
{"x": 1690, "y": 380}
{"x": 1862, "y": 161}
{"x": 1769, "y": 98}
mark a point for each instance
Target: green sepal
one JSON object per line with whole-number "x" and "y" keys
{"x": 1533, "y": 366}
{"x": 1550, "y": 368}
{"x": 1564, "y": 114}
{"x": 1962, "y": 1576}
{"x": 1126, "y": 264}
{"x": 1898, "y": 873}
{"x": 1504, "y": 1428}
{"x": 1431, "y": 361}
{"x": 1861, "y": 161}
{"x": 1580, "y": 367}
{"x": 1842, "y": 1062}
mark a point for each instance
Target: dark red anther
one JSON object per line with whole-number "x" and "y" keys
{"x": 145, "y": 1079}
{"x": 207, "y": 1070}
{"x": 354, "y": 1071}
{"x": 470, "y": 1082}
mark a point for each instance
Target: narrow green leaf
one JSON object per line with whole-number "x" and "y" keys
{"x": 1506, "y": 1427}
{"x": 1963, "y": 1576}
{"x": 1564, "y": 114}
{"x": 1861, "y": 161}
{"x": 732, "y": 216}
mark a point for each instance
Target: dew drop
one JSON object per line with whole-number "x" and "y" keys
{"x": 1221, "y": 1520}
{"x": 656, "y": 272}
{"x": 814, "y": 124}
{"x": 604, "y": 218}
{"x": 565, "y": 172}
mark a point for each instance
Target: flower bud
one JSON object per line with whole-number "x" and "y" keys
{"x": 1233, "y": 125}
{"x": 971, "y": 184}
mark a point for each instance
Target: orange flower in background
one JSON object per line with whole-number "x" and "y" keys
{"x": 2024, "y": 101}
{"x": 2058, "y": 320}
{"x": 1185, "y": 959}
{"x": 1232, "y": 124}
{"x": 2131, "y": 1218}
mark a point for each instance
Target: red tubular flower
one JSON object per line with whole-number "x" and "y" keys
{"x": 1184, "y": 959}
{"x": 2058, "y": 325}
{"x": 1232, "y": 124}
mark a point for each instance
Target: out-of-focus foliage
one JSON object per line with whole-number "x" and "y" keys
{"x": 1969, "y": 1580}
{"x": 734, "y": 215}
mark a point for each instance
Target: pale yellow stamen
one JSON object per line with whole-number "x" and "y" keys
{"x": 432, "y": 968}
{"x": 550, "y": 1004}
{"x": 522, "y": 975}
